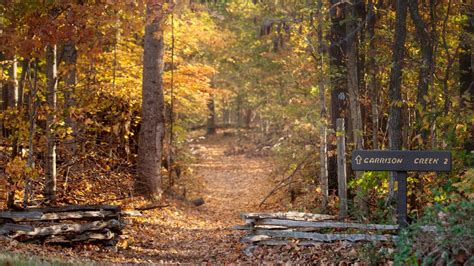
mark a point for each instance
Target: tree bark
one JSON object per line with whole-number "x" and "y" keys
{"x": 372, "y": 74}
{"x": 211, "y": 117}
{"x": 395, "y": 95}
{"x": 31, "y": 105}
{"x": 354, "y": 98}
{"x": 70, "y": 60}
{"x": 339, "y": 103}
{"x": 13, "y": 84}
{"x": 466, "y": 62}
{"x": 466, "y": 67}
{"x": 152, "y": 131}
{"x": 426, "y": 69}
{"x": 50, "y": 168}
{"x": 323, "y": 145}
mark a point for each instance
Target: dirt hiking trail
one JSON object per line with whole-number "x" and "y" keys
{"x": 230, "y": 183}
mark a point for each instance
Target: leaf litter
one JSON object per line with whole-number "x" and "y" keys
{"x": 230, "y": 183}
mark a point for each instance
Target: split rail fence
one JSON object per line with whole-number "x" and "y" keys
{"x": 307, "y": 229}
{"x": 64, "y": 225}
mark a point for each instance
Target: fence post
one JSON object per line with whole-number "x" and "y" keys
{"x": 341, "y": 167}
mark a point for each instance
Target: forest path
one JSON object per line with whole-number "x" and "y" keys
{"x": 229, "y": 183}
{"x": 233, "y": 182}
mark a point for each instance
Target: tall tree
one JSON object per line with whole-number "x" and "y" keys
{"x": 372, "y": 74}
{"x": 152, "y": 130}
{"x": 353, "y": 89}
{"x": 323, "y": 145}
{"x": 466, "y": 65}
{"x": 70, "y": 59}
{"x": 50, "y": 171}
{"x": 337, "y": 71}
{"x": 211, "y": 117}
{"x": 394, "y": 91}
{"x": 426, "y": 68}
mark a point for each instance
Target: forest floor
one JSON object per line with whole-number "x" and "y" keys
{"x": 231, "y": 182}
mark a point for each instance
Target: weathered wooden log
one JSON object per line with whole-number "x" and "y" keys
{"x": 313, "y": 226}
{"x": 85, "y": 237}
{"x": 298, "y": 216}
{"x": 61, "y": 229}
{"x": 324, "y": 224}
{"x": 8, "y": 228}
{"x": 317, "y": 236}
{"x": 275, "y": 242}
{"x": 71, "y": 208}
{"x": 131, "y": 213}
{"x": 254, "y": 238}
{"x": 21, "y": 216}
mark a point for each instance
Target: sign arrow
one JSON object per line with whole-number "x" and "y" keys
{"x": 358, "y": 159}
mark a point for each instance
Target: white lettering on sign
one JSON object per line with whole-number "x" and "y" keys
{"x": 393, "y": 160}
{"x": 426, "y": 161}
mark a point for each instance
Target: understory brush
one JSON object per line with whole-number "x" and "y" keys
{"x": 450, "y": 243}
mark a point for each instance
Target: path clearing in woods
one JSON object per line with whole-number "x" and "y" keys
{"x": 229, "y": 183}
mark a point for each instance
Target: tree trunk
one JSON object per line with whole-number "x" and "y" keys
{"x": 32, "y": 104}
{"x": 338, "y": 81}
{"x": 426, "y": 68}
{"x": 152, "y": 130}
{"x": 211, "y": 117}
{"x": 466, "y": 67}
{"x": 354, "y": 99}
{"x": 50, "y": 169}
{"x": 323, "y": 145}
{"x": 395, "y": 95}
{"x": 13, "y": 100}
{"x": 466, "y": 57}
{"x": 424, "y": 79}
{"x": 372, "y": 74}
{"x": 10, "y": 89}
{"x": 13, "y": 84}
{"x": 70, "y": 60}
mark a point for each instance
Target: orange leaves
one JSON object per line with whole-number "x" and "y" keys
{"x": 16, "y": 168}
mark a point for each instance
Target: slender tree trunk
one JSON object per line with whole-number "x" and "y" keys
{"x": 426, "y": 68}
{"x": 425, "y": 77}
{"x": 323, "y": 145}
{"x": 70, "y": 80}
{"x": 4, "y": 88}
{"x": 211, "y": 117}
{"x": 21, "y": 85}
{"x": 13, "y": 84}
{"x": 447, "y": 72}
{"x": 339, "y": 102}
{"x": 50, "y": 169}
{"x": 19, "y": 102}
{"x": 372, "y": 74}
{"x": 32, "y": 106}
{"x": 354, "y": 99}
{"x": 466, "y": 67}
{"x": 13, "y": 100}
{"x": 466, "y": 57}
{"x": 152, "y": 131}
{"x": 395, "y": 95}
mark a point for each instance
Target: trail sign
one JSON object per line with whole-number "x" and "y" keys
{"x": 422, "y": 161}
{"x": 399, "y": 162}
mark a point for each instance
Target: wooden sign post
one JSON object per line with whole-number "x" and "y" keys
{"x": 400, "y": 162}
